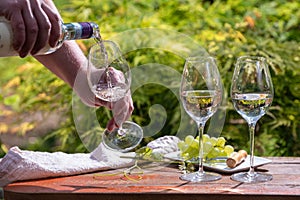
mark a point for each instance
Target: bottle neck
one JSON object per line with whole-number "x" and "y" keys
{"x": 79, "y": 30}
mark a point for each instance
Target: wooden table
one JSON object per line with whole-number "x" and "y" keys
{"x": 161, "y": 183}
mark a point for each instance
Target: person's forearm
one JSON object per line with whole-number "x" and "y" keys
{"x": 65, "y": 62}
{"x": 70, "y": 64}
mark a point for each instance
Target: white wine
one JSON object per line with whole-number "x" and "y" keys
{"x": 252, "y": 105}
{"x": 110, "y": 93}
{"x": 70, "y": 31}
{"x": 200, "y": 104}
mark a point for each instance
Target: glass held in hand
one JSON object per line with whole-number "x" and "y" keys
{"x": 251, "y": 94}
{"x": 201, "y": 93}
{"x": 109, "y": 78}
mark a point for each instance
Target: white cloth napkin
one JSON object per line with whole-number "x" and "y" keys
{"x": 25, "y": 165}
{"x": 20, "y": 164}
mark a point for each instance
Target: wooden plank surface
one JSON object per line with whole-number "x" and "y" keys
{"x": 162, "y": 182}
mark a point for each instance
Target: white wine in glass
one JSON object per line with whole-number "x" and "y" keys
{"x": 109, "y": 78}
{"x": 201, "y": 93}
{"x": 252, "y": 94}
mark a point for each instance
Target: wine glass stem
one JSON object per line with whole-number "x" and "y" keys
{"x": 251, "y": 131}
{"x": 201, "y": 130}
{"x": 121, "y": 131}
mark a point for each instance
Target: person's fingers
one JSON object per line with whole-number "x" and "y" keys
{"x": 111, "y": 125}
{"x": 31, "y": 28}
{"x": 120, "y": 118}
{"x": 98, "y": 102}
{"x": 44, "y": 27}
{"x": 116, "y": 75}
{"x": 119, "y": 107}
{"x": 130, "y": 107}
{"x": 19, "y": 31}
{"x": 117, "y": 120}
{"x": 55, "y": 21}
{"x": 122, "y": 109}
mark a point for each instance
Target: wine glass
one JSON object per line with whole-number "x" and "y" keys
{"x": 201, "y": 94}
{"x": 252, "y": 94}
{"x": 109, "y": 78}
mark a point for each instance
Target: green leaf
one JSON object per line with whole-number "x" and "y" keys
{"x": 13, "y": 101}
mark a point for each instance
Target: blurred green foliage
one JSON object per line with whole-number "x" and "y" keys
{"x": 226, "y": 29}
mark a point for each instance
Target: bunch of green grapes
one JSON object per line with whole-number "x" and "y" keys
{"x": 212, "y": 147}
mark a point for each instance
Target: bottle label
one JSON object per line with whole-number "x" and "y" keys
{"x": 81, "y": 30}
{"x": 87, "y": 30}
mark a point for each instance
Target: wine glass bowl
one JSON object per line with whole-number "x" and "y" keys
{"x": 252, "y": 94}
{"x": 201, "y": 94}
{"x": 108, "y": 74}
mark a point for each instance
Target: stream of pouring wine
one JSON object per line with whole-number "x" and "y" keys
{"x": 99, "y": 41}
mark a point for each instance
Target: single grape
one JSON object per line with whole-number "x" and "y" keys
{"x": 206, "y": 138}
{"x": 195, "y": 144}
{"x": 213, "y": 141}
{"x": 221, "y": 142}
{"x": 207, "y": 147}
{"x": 228, "y": 149}
{"x": 189, "y": 139}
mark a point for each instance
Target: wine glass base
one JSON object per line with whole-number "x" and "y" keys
{"x": 123, "y": 139}
{"x": 197, "y": 177}
{"x": 257, "y": 177}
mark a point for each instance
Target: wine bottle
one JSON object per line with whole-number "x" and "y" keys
{"x": 69, "y": 31}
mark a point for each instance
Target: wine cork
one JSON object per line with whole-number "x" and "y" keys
{"x": 236, "y": 158}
